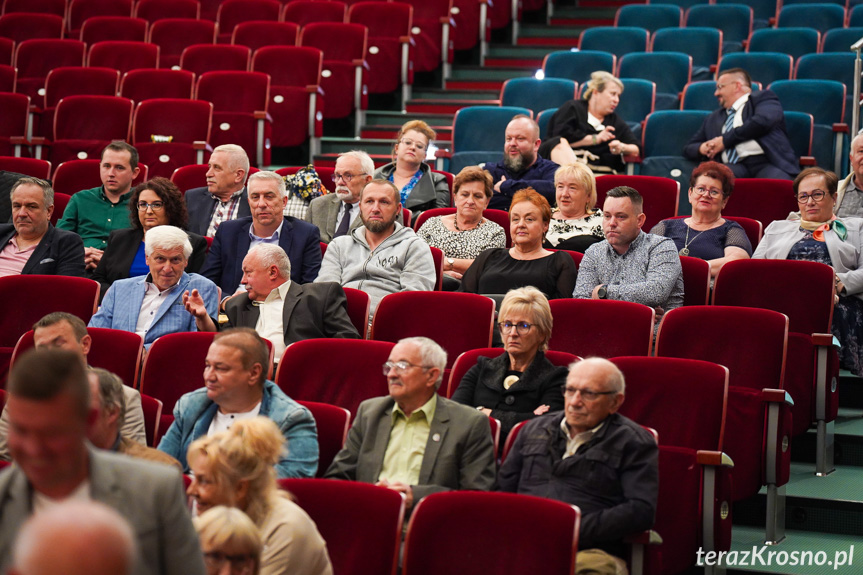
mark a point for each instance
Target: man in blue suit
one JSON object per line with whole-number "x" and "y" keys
{"x": 152, "y": 305}
{"x": 267, "y": 224}
{"x": 747, "y": 133}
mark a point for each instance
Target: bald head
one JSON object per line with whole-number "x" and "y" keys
{"x": 75, "y": 538}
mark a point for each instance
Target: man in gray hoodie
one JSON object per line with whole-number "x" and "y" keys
{"x": 382, "y": 256}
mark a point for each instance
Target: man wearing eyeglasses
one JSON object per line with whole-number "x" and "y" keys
{"x": 747, "y": 132}
{"x": 590, "y": 456}
{"x": 413, "y": 440}
{"x": 338, "y": 214}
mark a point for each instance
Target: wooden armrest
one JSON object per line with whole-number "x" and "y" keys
{"x": 840, "y": 127}
{"x": 634, "y": 159}
{"x": 715, "y": 458}
{"x": 23, "y": 141}
{"x": 362, "y": 63}
{"x": 822, "y": 339}
{"x": 447, "y": 20}
{"x": 807, "y": 160}
{"x": 200, "y": 145}
{"x": 443, "y": 153}
{"x": 314, "y": 88}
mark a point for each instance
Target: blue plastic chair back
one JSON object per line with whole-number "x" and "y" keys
{"x": 841, "y": 39}
{"x": 537, "y": 94}
{"x": 649, "y": 16}
{"x": 667, "y": 132}
{"x": 703, "y": 44}
{"x": 763, "y": 10}
{"x": 764, "y": 67}
{"x": 670, "y": 71}
{"x": 735, "y": 20}
{"x": 821, "y": 16}
{"x": 856, "y": 17}
{"x": 829, "y": 66}
{"x": 542, "y": 119}
{"x": 617, "y": 40}
{"x": 823, "y": 99}
{"x": 799, "y": 127}
{"x": 578, "y": 65}
{"x": 637, "y": 101}
{"x": 792, "y": 41}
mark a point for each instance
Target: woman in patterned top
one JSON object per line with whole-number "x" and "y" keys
{"x": 419, "y": 187}
{"x": 706, "y": 234}
{"x": 575, "y": 223}
{"x": 816, "y": 234}
{"x": 463, "y": 235}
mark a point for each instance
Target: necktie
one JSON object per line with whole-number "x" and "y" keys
{"x": 345, "y": 223}
{"x": 731, "y": 154}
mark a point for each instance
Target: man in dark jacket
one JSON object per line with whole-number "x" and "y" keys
{"x": 590, "y": 456}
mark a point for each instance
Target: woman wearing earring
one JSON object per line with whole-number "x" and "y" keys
{"x": 575, "y": 224}
{"x": 706, "y": 234}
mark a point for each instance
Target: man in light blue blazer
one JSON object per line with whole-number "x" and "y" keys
{"x": 152, "y": 305}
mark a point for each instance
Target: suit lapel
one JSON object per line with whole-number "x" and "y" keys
{"x": 332, "y": 215}
{"x": 40, "y": 251}
{"x": 291, "y": 299}
{"x": 382, "y": 438}
{"x": 286, "y": 236}
{"x": 437, "y": 436}
{"x": 132, "y": 305}
{"x": 104, "y": 485}
{"x": 15, "y": 508}
{"x": 248, "y": 314}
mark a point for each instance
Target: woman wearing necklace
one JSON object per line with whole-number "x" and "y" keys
{"x": 815, "y": 234}
{"x": 465, "y": 234}
{"x": 706, "y": 234}
{"x": 575, "y": 223}
{"x": 421, "y": 189}
{"x": 526, "y": 263}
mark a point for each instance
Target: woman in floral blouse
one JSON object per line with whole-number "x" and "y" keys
{"x": 575, "y": 223}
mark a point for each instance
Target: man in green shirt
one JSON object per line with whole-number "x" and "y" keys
{"x": 432, "y": 444}
{"x": 93, "y": 214}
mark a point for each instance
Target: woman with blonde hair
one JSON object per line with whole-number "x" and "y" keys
{"x": 420, "y": 188}
{"x": 230, "y": 541}
{"x": 236, "y": 468}
{"x": 590, "y": 124}
{"x": 575, "y": 224}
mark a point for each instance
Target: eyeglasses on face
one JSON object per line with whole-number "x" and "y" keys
{"x": 346, "y": 177}
{"x": 816, "y": 195}
{"x": 413, "y": 143}
{"x": 155, "y": 206}
{"x": 400, "y": 366}
{"x": 521, "y": 327}
{"x": 712, "y": 192}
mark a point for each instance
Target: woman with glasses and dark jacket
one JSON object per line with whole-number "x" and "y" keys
{"x": 815, "y": 234}
{"x": 521, "y": 383}
{"x": 706, "y": 234}
{"x": 156, "y": 202}
{"x": 420, "y": 188}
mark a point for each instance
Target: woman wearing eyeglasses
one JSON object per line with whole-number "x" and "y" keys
{"x": 706, "y": 234}
{"x": 521, "y": 383}
{"x": 156, "y": 202}
{"x": 816, "y": 234}
{"x": 230, "y": 541}
{"x": 236, "y": 468}
{"x": 421, "y": 189}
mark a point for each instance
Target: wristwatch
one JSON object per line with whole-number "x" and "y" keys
{"x": 602, "y": 292}
{"x": 451, "y": 263}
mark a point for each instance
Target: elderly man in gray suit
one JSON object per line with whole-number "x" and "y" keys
{"x": 337, "y": 214}
{"x": 49, "y": 412}
{"x": 415, "y": 441}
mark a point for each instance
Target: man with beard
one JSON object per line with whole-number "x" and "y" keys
{"x": 338, "y": 214}
{"x": 521, "y": 166}
{"x": 382, "y": 256}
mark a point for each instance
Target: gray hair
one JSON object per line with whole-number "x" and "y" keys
{"x": 85, "y": 525}
{"x": 111, "y": 392}
{"x": 272, "y": 255}
{"x": 614, "y": 379}
{"x": 167, "y": 238}
{"x": 431, "y": 354}
{"x": 269, "y": 177}
{"x": 238, "y": 159}
{"x": 529, "y": 300}
{"x": 363, "y": 158}
{"x": 47, "y": 190}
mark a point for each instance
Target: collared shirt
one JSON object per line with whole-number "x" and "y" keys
{"x": 579, "y": 439}
{"x": 91, "y": 215}
{"x": 224, "y": 211}
{"x": 407, "y": 446}
{"x": 749, "y": 147}
{"x": 271, "y": 239}
{"x": 153, "y": 300}
{"x": 852, "y": 202}
{"x": 270, "y": 325}
{"x": 224, "y": 421}
{"x": 649, "y": 272}
{"x": 355, "y": 213}
{"x": 13, "y": 260}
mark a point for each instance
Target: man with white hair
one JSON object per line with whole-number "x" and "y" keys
{"x": 338, "y": 214}
{"x": 151, "y": 305}
{"x": 849, "y": 195}
{"x": 224, "y": 196}
{"x": 414, "y": 441}
{"x": 267, "y": 224}
{"x": 279, "y": 309}
{"x": 75, "y": 538}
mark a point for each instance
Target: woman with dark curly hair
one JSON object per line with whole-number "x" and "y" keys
{"x": 157, "y": 202}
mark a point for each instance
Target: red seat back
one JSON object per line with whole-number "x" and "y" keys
{"x": 148, "y": 84}
{"x": 257, "y": 34}
{"x": 618, "y": 327}
{"x": 175, "y": 366}
{"x": 696, "y": 280}
{"x": 332, "y": 423}
{"x": 124, "y": 56}
{"x": 173, "y": 35}
{"x": 661, "y": 195}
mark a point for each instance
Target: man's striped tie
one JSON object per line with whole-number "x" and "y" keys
{"x": 731, "y": 154}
